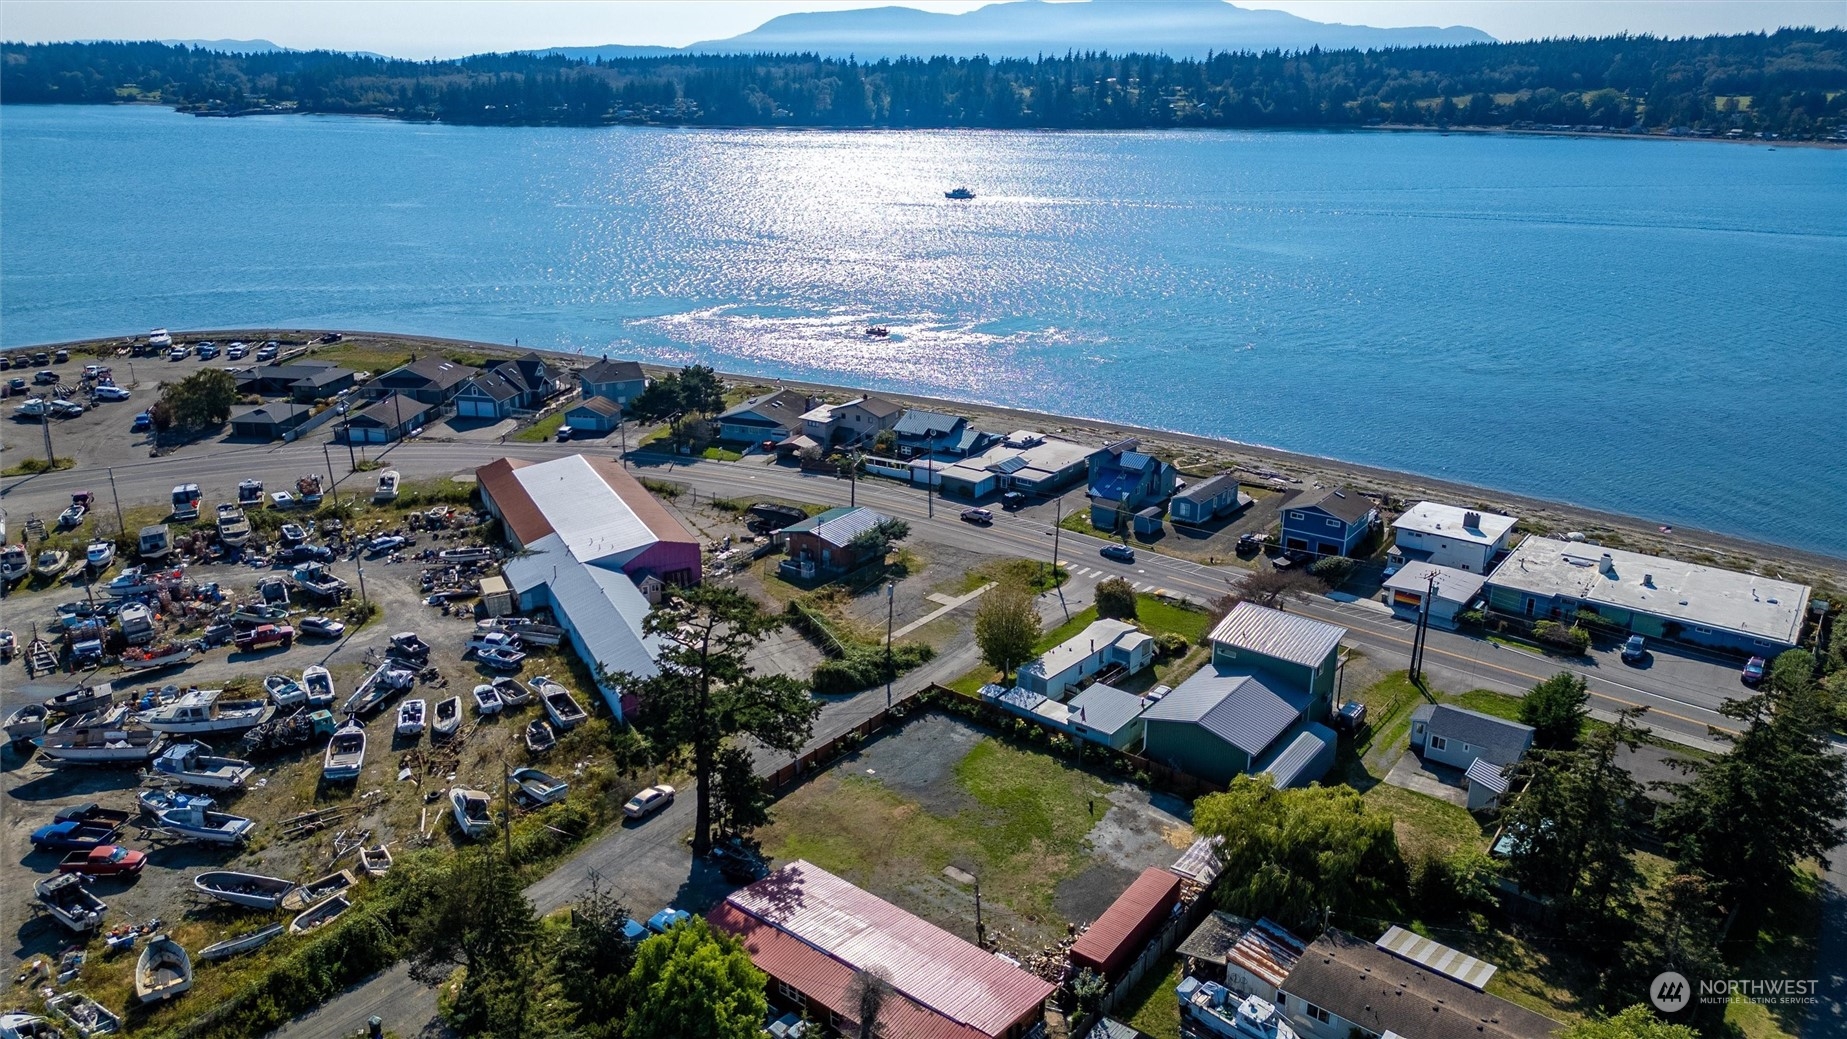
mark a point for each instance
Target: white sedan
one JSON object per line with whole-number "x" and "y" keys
{"x": 648, "y": 802}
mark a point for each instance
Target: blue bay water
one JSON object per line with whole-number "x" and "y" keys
{"x": 1648, "y": 327}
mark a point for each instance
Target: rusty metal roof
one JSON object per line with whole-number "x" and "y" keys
{"x": 940, "y": 972}
{"x": 1127, "y": 923}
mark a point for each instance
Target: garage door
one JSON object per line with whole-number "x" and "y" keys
{"x": 474, "y": 409}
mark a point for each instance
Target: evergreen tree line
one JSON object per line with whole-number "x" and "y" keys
{"x": 1792, "y": 82}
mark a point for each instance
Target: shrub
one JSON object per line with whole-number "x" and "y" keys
{"x": 1116, "y": 599}
{"x": 1171, "y": 644}
{"x": 1552, "y": 633}
{"x": 862, "y": 667}
{"x": 1332, "y": 571}
{"x": 1472, "y": 618}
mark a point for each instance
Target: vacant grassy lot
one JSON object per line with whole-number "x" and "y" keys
{"x": 1152, "y": 1006}
{"x": 1015, "y": 819}
{"x": 542, "y": 430}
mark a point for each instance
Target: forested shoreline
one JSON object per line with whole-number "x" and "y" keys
{"x": 1791, "y": 83}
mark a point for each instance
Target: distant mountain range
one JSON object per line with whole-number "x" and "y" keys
{"x": 1028, "y": 28}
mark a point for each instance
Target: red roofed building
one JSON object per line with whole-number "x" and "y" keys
{"x": 1112, "y": 942}
{"x": 812, "y": 932}
{"x": 604, "y": 516}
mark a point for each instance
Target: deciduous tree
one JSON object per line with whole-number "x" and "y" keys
{"x": 1006, "y": 627}
{"x": 705, "y": 690}
{"x": 200, "y": 400}
{"x": 1116, "y": 598}
{"x": 695, "y": 983}
{"x": 1298, "y": 855}
{"x": 1636, "y": 1022}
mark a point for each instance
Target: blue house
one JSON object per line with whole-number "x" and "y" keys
{"x": 921, "y": 432}
{"x": 1330, "y": 522}
{"x": 1124, "y": 481}
{"x": 620, "y": 381}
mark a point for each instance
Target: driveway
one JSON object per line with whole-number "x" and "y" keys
{"x": 1439, "y": 781}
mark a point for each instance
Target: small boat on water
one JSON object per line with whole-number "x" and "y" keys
{"x": 322, "y": 912}
{"x": 51, "y": 562}
{"x": 284, "y": 691}
{"x": 241, "y": 943}
{"x": 164, "y": 970}
{"x": 960, "y": 194}
{"x": 193, "y": 822}
{"x": 539, "y": 736}
{"x": 201, "y": 711}
{"x": 563, "y": 708}
{"x": 346, "y": 752}
{"x": 155, "y": 657}
{"x": 487, "y": 700}
{"x": 512, "y": 691}
{"x": 318, "y": 890}
{"x": 192, "y": 764}
{"x": 82, "y": 699}
{"x": 245, "y": 889}
{"x": 84, "y": 1014}
{"x": 99, "y": 554}
{"x": 878, "y": 331}
{"x": 69, "y": 902}
{"x": 387, "y": 680}
{"x": 318, "y": 681}
{"x": 448, "y": 717}
{"x": 26, "y": 722}
{"x": 537, "y": 787}
{"x": 375, "y": 861}
{"x": 470, "y": 808}
{"x": 410, "y": 717}
{"x": 103, "y": 745}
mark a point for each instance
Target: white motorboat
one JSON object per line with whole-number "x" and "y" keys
{"x": 563, "y": 708}
{"x": 319, "y": 913}
{"x": 410, "y": 717}
{"x": 537, "y": 787}
{"x": 512, "y": 691}
{"x": 487, "y": 700}
{"x": 387, "y": 489}
{"x": 389, "y": 679}
{"x": 191, "y": 764}
{"x": 15, "y": 563}
{"x": 82, "y": 700}
{"x": 285, "y": 691}
{"x": 164, "y": 970}
{"x": 153, "y": 658}
{"x": 193, "y": 822}
{"x": 448, "y": 717}
{"x": 253, "y": 890}
{"x": 51, "y": 562}
{"x": 201, "y": 711}
{"x": 539, "y": 736}
{"x": 233, "y": 528}
{"x": 27, "y": 1026}
{"x": 318, "y": 681}
{"x": 84, "y": 1014}
{"x": 102, "y": 745}
{"x": 501, "y": 659}
{"x": 346, "y": 752}
{"x": 317, "y": 890}
{"x": 26, "y": 722}
{"x": 471, "y": 810}
{"x": 241, "y": 943}
{"x": 69, "y": 902}
{"x": 100, "y": 554}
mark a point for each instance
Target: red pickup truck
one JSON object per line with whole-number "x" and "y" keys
{"x": 107, "y": 860}
{"x": 263, "y": 636}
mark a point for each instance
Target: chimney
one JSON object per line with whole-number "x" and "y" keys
{"x": 1648, "y": 580}
{"x": 1606, "y": 565}
{"x": 1471, "y": 520}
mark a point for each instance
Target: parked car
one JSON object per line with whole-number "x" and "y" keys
{"x": 61, "y": 356}
{"x": 1013, "y": 500}
{"x": 1120, "y": 553}
{"x": 207, "y": 351}
{"x": 41, "y": 357}
{"x": 978, "y": 516}
{"x": 143, "y": 422}
{"x": 110, "y": 391}
{"x": 306, "y": 554}
{"x": 378, "y": 546}
{"x": 106, "y": 860}
{"x": 663, "y": 921}
{"x": 648, "y": 802}
{"x": 322, "y": 627}
{"x": 236, "y": 352}
{"x": 178, "y": 353}
{"x": 263, "y": 636}
{"x": 5, "y": 362}
{"x": 738, "y": 862}
{"x": 267, "y": 353}
{"x": 1635, "y": 649}
{"x": 565, "y": 433}
{"x": 16, "y": 385}
{"x": 1754, "y": 671}
{"x": 45, "y": 378}
{"x": 65, "y": 408}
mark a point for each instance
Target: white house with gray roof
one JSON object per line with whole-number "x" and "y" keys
{"x": 1462, "y": 539}
{"x": 1655, "y": 596}
{"x": 1103, "y": 644}
{"x": 1486, "y": 748}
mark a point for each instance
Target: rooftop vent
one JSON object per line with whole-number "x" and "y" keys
{"x": 1606, "y": 565}
{"x": 1471, "y": 520}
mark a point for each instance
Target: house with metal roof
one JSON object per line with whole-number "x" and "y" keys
{"x": 618, "y": 381}
{"x": 1210, "y": 499}
{"x": 1343, "y": 986}
{"x": 1102, "y": 645}
{"x": 1332, "y": 521}
{"x": 1449, "y": 590}
{"x": 921, "y": 432}
{"x": 828, "y": 543}
{"x": 588, "y": 536}
{"x": 1250, "y": 959}
{"x": 1485, "y": 747}
{"x": 1301, "y": 759}
{"x": 813, "y": 933}
{"x": 1107, "y": 715}
{"x": 1299, "y": 651}
{"x": 1655, "y": 596}
{"x": 1447, "y": 535}
{"x": 1219, "y": 722}
{"x": 773, "y": 416}
{"x": 1124, "y": 481}
{"x": 1024, "y": 461}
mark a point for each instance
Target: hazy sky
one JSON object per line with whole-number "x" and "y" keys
{"x": 447, "y": 28}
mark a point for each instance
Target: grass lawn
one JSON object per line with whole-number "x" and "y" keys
{"x": 720, "y": 454}
{"x": 1424, "y": 823}
{"x": 1487, "y": 701}
{"x": 542, "y": 430}
{"x": 1017, "y": 819}
{"x": 32, "y": 466}
{"x": 1158, "y": 615}
{"x": 1389, "y": 703}
{"x": 1152, "y": 1005}
{"x": 1030, "y": 573}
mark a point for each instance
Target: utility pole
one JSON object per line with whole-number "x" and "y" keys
{"x": 622, "y": 428}
{"x": 979, "y": 930}
{"x": 362, "y": 581}
{"x": 333, "y": 484}
{"x": 44, "y": 421}
{"x": 1423, "y": 630}
{"x": 1058, "y": 515}
{"x": 891, "y": 592}
{"x": 119, "y": 525}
